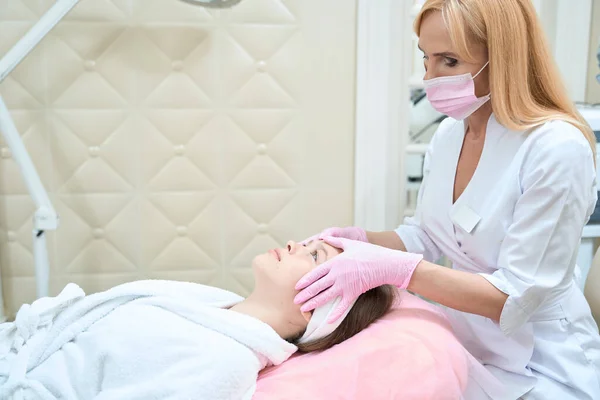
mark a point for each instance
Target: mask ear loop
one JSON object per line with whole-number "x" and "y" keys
{"x": 482, "y": 68}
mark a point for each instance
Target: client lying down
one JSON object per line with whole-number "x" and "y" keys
{"x": 173, "y": 340}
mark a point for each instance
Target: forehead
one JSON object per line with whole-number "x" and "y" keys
{"x": 434, "y": 36}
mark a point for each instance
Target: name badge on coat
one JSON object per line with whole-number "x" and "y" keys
{"x": 464, "y": 217}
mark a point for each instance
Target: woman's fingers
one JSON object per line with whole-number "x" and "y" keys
{"x": 313, "y": 276}
{"x": 334, "y": 241}
{"x": 310, "y": 239}
{"x": 313, "y": 289}
{"x": 320, "y": 299}
{"x": 335, "y": 231}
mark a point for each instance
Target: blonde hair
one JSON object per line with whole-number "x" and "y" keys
{"x": 526, "y": 86}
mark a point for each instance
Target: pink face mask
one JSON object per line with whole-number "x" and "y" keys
{"x": 455, "y": 95}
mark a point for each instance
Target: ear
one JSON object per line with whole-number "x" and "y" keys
{"x": 306, "y": 315}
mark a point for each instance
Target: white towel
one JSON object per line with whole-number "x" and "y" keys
{"x": 141, "y": 340}
{"x": 318, "y": 327}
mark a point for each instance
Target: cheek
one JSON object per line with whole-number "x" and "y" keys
{"x": 482, "y": 84}
{"x": 294, "y": 271}
{"x": 282, "y": 274}
{"x": 302, "y": 268}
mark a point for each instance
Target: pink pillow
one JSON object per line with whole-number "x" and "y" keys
{"x": 411, "y": 353}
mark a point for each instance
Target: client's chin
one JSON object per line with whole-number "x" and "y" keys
{"x": 263, "y": 261}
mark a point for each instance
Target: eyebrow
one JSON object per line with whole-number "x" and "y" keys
{"x": 442, "y": 54}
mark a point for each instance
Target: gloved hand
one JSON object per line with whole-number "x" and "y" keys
{"x": 351, "y": 232}
{"x": 361, "y": 267}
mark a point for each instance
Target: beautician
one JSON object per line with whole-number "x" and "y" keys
{"x": 509, "y": 183}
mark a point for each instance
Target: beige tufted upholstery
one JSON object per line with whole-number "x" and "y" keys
{"x": 592, "y": 287}
{"x": 177, "y": 142}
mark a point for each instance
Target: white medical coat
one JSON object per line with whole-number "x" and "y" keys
{"x": 518, "y": 224}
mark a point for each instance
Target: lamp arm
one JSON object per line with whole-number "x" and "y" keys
{"x": 34, "y": 36}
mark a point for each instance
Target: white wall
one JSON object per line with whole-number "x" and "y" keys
{"x": 568, "y": 25}
{"x": 593, "y": 86}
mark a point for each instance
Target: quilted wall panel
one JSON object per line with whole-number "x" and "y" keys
{"x": 177, "y": 142}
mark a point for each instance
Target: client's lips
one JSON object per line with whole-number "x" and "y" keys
{"x": 275, "y": 254}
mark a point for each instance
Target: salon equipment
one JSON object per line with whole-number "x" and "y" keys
{"x": 45, "y": 217}
{"x": 213, "y": 3}
{"x": 598, "y": 58}
{"x": 424, "y": 119}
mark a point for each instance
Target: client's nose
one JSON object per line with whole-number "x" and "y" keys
{"x": 292, "y": 246}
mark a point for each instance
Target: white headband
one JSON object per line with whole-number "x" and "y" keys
{"x": 318, "y": 327}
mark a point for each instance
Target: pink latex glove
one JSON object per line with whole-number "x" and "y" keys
{"x": 351, "y": 232}
{"x": 361, "y": 267}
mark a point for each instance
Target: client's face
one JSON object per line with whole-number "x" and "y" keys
{"x": 277, "y": 272}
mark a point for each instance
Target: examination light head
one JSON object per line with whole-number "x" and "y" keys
{"x": 213, "y": 3}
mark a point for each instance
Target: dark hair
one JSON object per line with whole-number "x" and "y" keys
{"x": 369, "y": 307}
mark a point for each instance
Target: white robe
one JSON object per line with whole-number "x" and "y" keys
{"x": 518, "y": 224}
{"x": 138, "y": 341}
